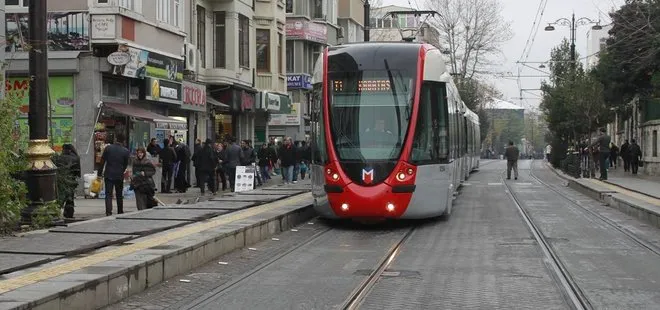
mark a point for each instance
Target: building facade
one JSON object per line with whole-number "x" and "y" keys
{"x": 350, "y": 17}
{"x": 386, "y": 27}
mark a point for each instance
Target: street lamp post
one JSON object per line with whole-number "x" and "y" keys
{"x": 41, "y": 170}
{"x": 367, "y": 17}
{"x": 573, "y": 24}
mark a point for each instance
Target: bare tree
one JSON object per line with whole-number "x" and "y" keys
{"x": 471, "y": 33}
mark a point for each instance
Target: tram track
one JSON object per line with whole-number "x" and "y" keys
{"x": 574, "y": 296}
{"x": 632, "y": 236}
{"x": 360, "y": 293}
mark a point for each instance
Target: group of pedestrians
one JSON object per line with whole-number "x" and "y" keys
{"x": 605, "y": 154}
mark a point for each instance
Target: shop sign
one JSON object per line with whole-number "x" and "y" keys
{"x": 119, "y": 58}
{"x": 288, "y": 119}
{"x": 17, "y": 91}
{"x": 273, "y": 102}
{"x": 165, "y": 91}
{"x": 194, "y": 96}
{"x": 164, "y": 68}
{"x": 172, "y": 126}
{"x": 299, "y": 81}
{"x": 302, "y": 29}
{"x": 104, "y": 26}
{"x": 135, "y": 67}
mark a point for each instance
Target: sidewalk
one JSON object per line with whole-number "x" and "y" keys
{"x": 642, "y": 184}
{"x": 636, "y": 196}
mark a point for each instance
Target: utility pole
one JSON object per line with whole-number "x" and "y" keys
{"x": 367, "y": 17}
{"x": 41, "y": 169}
{"x": 573, "y": 24}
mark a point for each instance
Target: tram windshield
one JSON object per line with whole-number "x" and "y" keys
{"x": 369, "y": 113}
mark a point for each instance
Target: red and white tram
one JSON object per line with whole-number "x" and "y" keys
{"x": 391, "y": 137}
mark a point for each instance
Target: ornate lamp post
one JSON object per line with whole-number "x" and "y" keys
{"x": 573, "y": 24}
{"x": 41, "y": 169}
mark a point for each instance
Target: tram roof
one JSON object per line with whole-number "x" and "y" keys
{"x": 370, "y": 44}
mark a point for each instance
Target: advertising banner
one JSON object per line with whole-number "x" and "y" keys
{"x": 164, "y": 68}
{"x": 288, "y": 119}
{"x": 299, "y": 81}
{"x": 136, "y": 67}
{"x": 302, "y": 29}
{"x": 162, "y": 90}
{"x": 17, "y": 90}
{"x": 67, "y": 31}
{"x": 244, "y": 178}
{"x": 61, "y": 128}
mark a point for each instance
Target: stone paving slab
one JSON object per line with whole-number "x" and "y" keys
{"x": 211, "y": 205}
{"x": 121, "y": 227}
{"x": 282, "y": 191}
{"x": 247, "y": 197}
{"x": 174, "y": 214}
{"x": 12, "y": 262}
{"x": 60, "y": 244}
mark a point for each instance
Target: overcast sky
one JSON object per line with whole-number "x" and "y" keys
{"x": 521, "y": 13}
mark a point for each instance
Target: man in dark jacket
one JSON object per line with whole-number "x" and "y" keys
{"x": 114, "y": 161}
{"x": 206, "y": 162}
{"x": 287, "y": 157}
{"x": 233, "y": 158}
{"x": 625, "y": 155}
{"x": 167, "y": 160}
{"x": 511, "y": 154}
{"x": 603, "y": 143}
{"x": 635, "y": 155}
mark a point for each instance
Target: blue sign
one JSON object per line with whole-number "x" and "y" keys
{"x": 294, "y": 81}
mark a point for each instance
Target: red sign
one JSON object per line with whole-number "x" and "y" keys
{"x": 194, "y": 96}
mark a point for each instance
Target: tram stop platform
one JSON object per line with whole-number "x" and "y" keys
{"x": 95, "y": 263}
{"x": 635, "y": 195}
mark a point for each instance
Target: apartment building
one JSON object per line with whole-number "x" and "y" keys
{"x": 386, "y": 27}
{"x": 350, "y": 18}
{"x": 115, "y": 67}
{"x": 311, "y": 25}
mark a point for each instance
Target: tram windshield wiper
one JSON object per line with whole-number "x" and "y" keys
{"x": 397, "y": 108}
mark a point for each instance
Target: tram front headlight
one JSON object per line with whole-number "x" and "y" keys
{"x": 390, "y": 207}
{"x": 344, "y": 207}
{"x": 335, "y": 176}
{"x": 401, "y": 176}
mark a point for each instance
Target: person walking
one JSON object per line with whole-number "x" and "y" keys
{"x": 614, "y": 155}
{"x": 207, "y": 163}
{"x": 603, "y": 143}
{"x": 264, "y": 156}
{"x": 71, "y": 161}
{"x": 142, "y": 181}
{"x": 167, "y": 160}
{"x": 114, "y": 162}
{"x": 287, "y": 160}
{"x": 512, "y": 153}
{"x": 233, "y": 158}
{"x": 635, "y": 155}
{"x": 548, "y": 151}
{"x": 625, "y": 155}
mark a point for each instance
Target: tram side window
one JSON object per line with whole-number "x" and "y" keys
{"x": 429, "y": 142}
{"x": 319, "y": 150}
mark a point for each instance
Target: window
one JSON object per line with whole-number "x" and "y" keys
{"x": 289, "y": 56}
{"x": 201, "y": 34}
{"x": 219, "y": 44}
{"x": 128, "y": 4}
{"x": 430, "y": 139}
{"x": 163, "y": 11}
{"x": 654, "y": 144}
{"x": 316, "y": 53}
{"x": 243, "y": 41}
{"x": 318, "y": 146}
{"x": 178, "y": 15}
{"x": 263, "y": 50}
{"x": 289, "y": 6}
{"x": 369, "y": 123}
{"x": 281, "y": 50}
{"x": 317, "y": 9}
{"x": 12, "y": 2}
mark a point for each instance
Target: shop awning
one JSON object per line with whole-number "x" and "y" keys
{"x": 216, "y": 103}
{"x": 144, "y": 115}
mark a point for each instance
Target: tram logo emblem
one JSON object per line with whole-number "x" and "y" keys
{"x": 367, "y": 176}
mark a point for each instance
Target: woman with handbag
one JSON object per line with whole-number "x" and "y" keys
{"x": 142, "y": 181}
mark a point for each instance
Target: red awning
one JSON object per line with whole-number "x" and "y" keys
{"x": 142, "y": 114}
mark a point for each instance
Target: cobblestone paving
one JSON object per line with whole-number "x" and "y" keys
{"x": 484, "y": 257}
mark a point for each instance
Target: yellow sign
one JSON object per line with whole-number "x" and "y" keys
{"x": 155, "y": 89}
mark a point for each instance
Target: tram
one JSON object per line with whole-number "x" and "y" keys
{"x": 391, "y": 138}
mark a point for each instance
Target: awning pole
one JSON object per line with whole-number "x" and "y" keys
{"x": 98, "y": 114}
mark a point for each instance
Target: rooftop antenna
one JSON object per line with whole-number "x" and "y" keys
{"x": 415, "y": 13}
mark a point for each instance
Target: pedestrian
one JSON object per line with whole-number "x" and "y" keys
{"x": 183, "y": 157}
{"x": 614, "y": 154}
{"x": 635, "y": 156}
{"x": 548, "y": 151}
{"x": 207, "y": 162}
{"x": 142, "y": 181}
{"x": 153, "y": 148}
{"x": 233, "y": 158}
{"x": 287, "y": 158}
{"x": 114, "y": 162}
{"x": 221, "y": 172}
{"x": 71, "y": 161}
{"x": 603, "y": 142}
{"x": 625, "y": 155}
{"x": 264, "y": 156}
{"x": 167, "y": 160}
{"x": 512, "y": 153}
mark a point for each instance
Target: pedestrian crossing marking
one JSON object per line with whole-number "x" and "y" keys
{"x": 77, "y": 264}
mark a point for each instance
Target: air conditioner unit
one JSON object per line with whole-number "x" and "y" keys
{"x": 340, "y": 32}
{"x": 191, "y": 57}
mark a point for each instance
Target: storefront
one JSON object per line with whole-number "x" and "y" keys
{"x": 233, "y": 112}
{"x": 194, "y": 101}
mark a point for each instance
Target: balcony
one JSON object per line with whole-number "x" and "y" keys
{"x": 268, "y": 81}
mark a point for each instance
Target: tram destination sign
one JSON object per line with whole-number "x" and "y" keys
{"x": 362, "y": 86}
